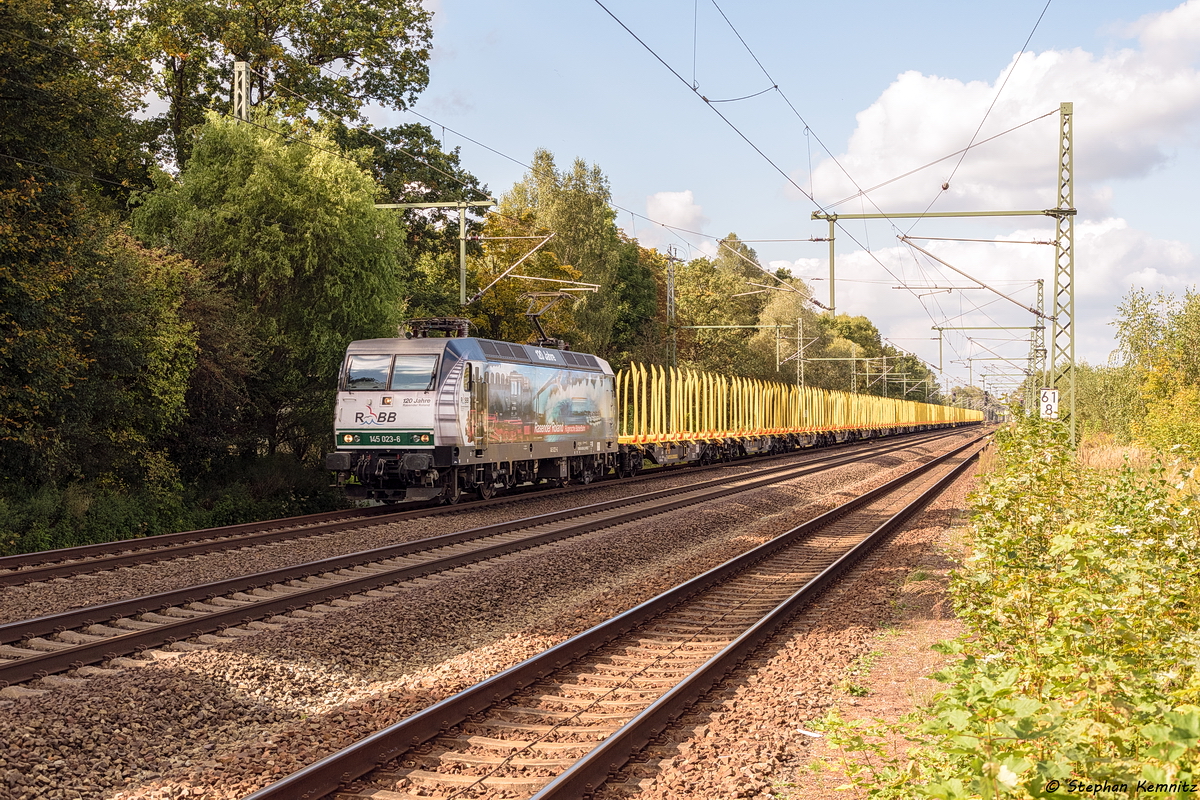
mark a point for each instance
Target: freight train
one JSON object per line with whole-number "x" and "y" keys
{"x": 423, "y": 419}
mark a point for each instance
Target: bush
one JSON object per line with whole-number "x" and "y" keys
{"x": 50, "y": 517}
{"x": 1082, "y": 605}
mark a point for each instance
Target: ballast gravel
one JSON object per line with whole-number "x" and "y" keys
{"x": 223, "y": 722}
{"x": 64, "y": 594}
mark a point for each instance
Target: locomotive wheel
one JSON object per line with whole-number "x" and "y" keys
{"x": 486, "y": 490}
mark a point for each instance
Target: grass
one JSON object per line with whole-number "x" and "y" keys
{"x": 1101, "y": 451}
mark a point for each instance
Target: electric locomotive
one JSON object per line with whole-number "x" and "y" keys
{"x": 420, "y": 419}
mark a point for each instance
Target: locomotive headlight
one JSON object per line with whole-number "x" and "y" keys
{"x": 425, "y": 438}
{"x": 347, "y": 438}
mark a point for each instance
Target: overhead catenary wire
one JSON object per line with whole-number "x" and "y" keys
{"x": 48, "y": 165}
{"x": 995, "y": 98}
{"x": 524, "y": 223}
{"x": 834, "y": 158}
{"x": 635, "y": 215}
{"x": 1000, "y": 91}
{"x": 934, "y": 163}
{"x": 299, "y": 139}
{"x": 754, "y": 146}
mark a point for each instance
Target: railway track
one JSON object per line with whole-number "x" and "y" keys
{"x": 211, "y": 613}
{"x": 559, "y": 724}
{"x": 47, "y": 565}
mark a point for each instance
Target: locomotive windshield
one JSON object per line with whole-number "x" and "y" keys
{"x": 414, "y": 373}
{"x": 367, "y": 373}
{"x": 408, "y": 373}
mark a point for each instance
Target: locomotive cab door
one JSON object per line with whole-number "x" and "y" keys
{"x": 477, "y": 388}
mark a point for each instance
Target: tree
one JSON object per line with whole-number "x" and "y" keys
{"x": 139, "y": 348}
{"x": 638, "y": 332}
{"x": 289, "y": 230}
{"x": 499, "y": 313}
{"x": 574, "y": 205}
{"x": 792, "y": 314}
{"x": 331, "y": 57}
{"x": 1159, "y": 341}
{"x": 412, "y": 168}
{"x": 738, "y": 260}
{"x": 60, "y": 356}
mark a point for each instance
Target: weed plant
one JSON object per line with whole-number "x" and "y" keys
{"x": 1077, "y": 676}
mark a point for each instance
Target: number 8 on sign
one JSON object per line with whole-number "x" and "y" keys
{"x": 1049, "y": 403}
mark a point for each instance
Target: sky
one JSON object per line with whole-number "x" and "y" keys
{"x": 840, "y": 98}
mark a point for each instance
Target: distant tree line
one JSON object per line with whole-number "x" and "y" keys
{"x": 1149, "y": 391}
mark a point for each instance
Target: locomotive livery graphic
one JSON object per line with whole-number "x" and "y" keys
{"x": 434, "y": 418}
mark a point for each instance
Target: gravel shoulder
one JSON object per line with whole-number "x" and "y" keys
{"x": 222, "y": 722}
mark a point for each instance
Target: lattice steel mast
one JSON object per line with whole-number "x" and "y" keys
{"x": 1062, "y": 346}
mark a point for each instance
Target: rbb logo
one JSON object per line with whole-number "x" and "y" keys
{"x": 375, "y": 419}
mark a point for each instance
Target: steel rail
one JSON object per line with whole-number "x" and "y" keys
{"x": 330, "y": 773}
{"x": 163, "y": 541}
{"x": 39, "y": 626}
{"x": 290, "y": 598}
{"x": 587, "y": 774}
{"x": 62, "y": 563}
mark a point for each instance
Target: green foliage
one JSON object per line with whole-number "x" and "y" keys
{"x": 704, "y": 290}
{"x": 411, "y": 167}
{"x": 289, "y": 234}
{"x": 62, "y": 98}
{"x": 1108, "y": 399}
{"x": 48, "y": 517}
{"x": 1082, "y": 604}
{"x": 637, "y": 333}
{"x": 97, "y": 362}
{"x": 499, "y": 312}
{"x": 139, "y": 351}
{"x": 381, "y": 50}
{"x": 61, "y": 274}
{"x": 574, "y": 205}
{"x": 1151, "y": 397}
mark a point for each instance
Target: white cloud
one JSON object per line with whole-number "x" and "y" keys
{"x": 1110, "y": 258}
{"x": 679, "y": 210}
{"x": 1131, "y": 108}
{"x": 1172, "y": 37}
{"x": 801, "y": 267}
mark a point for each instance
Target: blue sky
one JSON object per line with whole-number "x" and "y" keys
{"x": 885, "y": 87}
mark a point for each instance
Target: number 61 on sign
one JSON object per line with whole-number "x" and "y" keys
{"x": 1049, "y": 403}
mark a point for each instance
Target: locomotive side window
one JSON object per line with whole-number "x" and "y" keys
{"x": 367, "y": 373}
{"x": 414, "y": 373}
